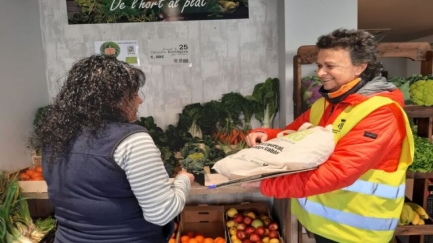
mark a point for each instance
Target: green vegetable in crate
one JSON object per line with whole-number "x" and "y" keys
{"x": 16, "y": 224}
{"x": 421, "y": 92}
{"x": 403, "y": 85}
{"x": 423, "y": 158}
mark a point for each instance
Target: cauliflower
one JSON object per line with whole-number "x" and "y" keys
{"x": 421, "y": 92}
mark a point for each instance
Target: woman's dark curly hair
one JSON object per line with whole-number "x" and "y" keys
{"x": 361, "y": 45}
{"x": 95, "y": 94}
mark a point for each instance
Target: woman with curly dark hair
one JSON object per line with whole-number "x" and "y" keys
{"x": 105, "y": 176}
{"x": 358, "y": 193}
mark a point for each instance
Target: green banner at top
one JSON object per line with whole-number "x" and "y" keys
{"x": 128, "y": 11}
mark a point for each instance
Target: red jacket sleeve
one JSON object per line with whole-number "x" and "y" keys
{"x": 353, "y": 156}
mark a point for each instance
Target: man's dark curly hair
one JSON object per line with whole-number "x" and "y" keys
{"x": 96, "y": 91}
{"x": 361, "y": 46}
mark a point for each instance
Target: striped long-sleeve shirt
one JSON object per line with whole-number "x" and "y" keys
{"x": 160, "y": 200}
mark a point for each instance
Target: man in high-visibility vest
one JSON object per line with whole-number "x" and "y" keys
{"x": 358, "y": 193}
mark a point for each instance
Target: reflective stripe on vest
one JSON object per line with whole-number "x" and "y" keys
{"x": 353, "y": 217}
{"x": 376, "y": 189}
{"x": 354, "y": 220}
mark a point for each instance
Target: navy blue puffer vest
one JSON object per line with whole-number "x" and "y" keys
{"x": 91, "y": 195}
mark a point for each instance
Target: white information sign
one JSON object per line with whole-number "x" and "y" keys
{"x": 123, "y": 50}
{"x": 169, "y": 52}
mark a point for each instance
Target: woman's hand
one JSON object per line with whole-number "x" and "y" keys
{"x": 190, "y": 176}
{"x": 255, "y": 138}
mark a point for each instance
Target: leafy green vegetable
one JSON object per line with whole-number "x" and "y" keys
{"x": 214, "y": 114}
{"x": 189, "y": 119}
{"x": 423, "y": 159}
{"x": 267, "y": 96}
{"x": 198, "y": 153}
{"x": 237, "y": 105}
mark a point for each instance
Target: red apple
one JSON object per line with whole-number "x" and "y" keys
{"x": 246, "y": 241}
{"x": 255, "y": 237}
{"x": 273, "y": 234}
{"x": 249, "y": 230}
{"x": 260, "y": 231}
{"x": 247, "y": 220}
{"x": 240, "y": 234}
{"x": 272, "y": 226}
{"x": 238, "y": 218}
{"x": 241, "y": 226}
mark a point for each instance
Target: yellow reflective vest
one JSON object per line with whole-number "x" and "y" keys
{"x": 368, "y": 210}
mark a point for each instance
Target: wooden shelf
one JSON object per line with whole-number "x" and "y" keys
{"x": 196, "y": 189}
{"x": 418, "y": 175}
{"x": 415, "y": 229}
{"x": 418, "y": 111}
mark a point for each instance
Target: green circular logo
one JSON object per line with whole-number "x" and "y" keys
{"x": 110, "y": 48}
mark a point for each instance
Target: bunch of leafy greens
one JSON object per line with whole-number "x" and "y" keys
{"x": 267, "y": 97}
{"x": 16, "y": 223}
{"x": 423, "y": 157}
{"x": 240, "y": 110}
{"x": 214, "y": 114}
{"x": 189, "y": 119}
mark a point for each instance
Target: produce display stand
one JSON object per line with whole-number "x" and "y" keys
{"x": 415, "y": 51}
{"x": 280, "y": 208}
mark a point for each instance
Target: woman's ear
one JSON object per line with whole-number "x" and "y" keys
{"x": 360, "y": 68}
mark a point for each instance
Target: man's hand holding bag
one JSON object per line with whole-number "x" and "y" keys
{"x": 306, "y": 148}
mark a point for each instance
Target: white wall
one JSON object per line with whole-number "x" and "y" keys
{"x": 23, "y": 81}
{"x": 304, "y": 22}
{"x": 227, "y": 55}
{"x": 396, "y": 67}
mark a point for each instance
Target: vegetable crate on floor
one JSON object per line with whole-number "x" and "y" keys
{"x": 202, "y": 222}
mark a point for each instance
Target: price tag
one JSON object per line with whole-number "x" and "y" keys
{"x": 169, "y": 52}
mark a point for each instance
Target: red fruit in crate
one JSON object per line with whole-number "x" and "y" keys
{"x": 239, "y": 218}
{"x": 272, "y": 226}
{"x": 266, "y": 222}
{"x": 240, "y": 234}
{"x": 255, "y": 237}
{"x": 247, "y": 220}
{"x": 260, "y": 231}
{"x": 246, "y": 241}
{"x": 250, "y": 229}
{"x": 273, "y": 234}
{"x": 241, "y": 226}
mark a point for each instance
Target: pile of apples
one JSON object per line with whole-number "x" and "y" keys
{"x": 246, "y": 226}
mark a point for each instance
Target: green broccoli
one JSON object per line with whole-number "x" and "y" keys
{"x": 421, "y": 92}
